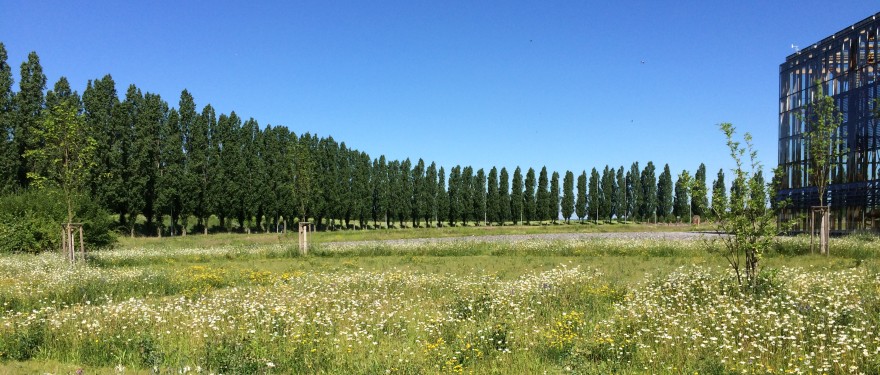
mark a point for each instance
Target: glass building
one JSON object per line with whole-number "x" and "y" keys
{"x": 845, "y": 64}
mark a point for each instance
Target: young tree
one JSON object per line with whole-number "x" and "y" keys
{"x": 825, "y": 146}
{"x": 749, "y": 223}
{"x": 554, "y": 197}
{"x": 66, "y": 153}
{"x": 503, "y": 197}
{"x": 516, "y": 197}
{"x": 648, "y": 208}
{"x": 580, "y": 206}
{"x": 567, "y": 196}
{"x": 542, "y": 199}
{"x": 529, "y": 205}
{"x": 492, "y": 211}
{"x": 699, "y": 198}
{"x": 664, "y": 194}
{"x": 681, "y": 200}
{"x": 719, "y": 195}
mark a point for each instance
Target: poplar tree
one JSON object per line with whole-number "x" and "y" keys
{"x": 99, "y": 106}
{"x": 664, "y": 194}
{"x": 479, "y": 196}
{"x": 542, "y": 199}
{"x": 635, "y": 193}
{"x": 8, "y": 158}
{"x": 594, "y": 201}
{"x": 492, "y": 197}
{"x": 125, "y": 195}
{"x": 648, "y": 181}
{"x": 681, "y": 201}
{"x": 431, "y": 189}
{"x": 580, "y": 206}
{"x": 419, "y": 195}
{"x": 719, "y": 195}
{"x": 607, "y": 193}
{"x": 699, "y": 198}
{"x": 171, "y": 185}
{"x": 193, "y": 180}
{"x": 404, "y": 199}
{"x": 28, "y": 111}
{"x": 151, "y": 118}
{"x": 554, "y": 197}
{"x": 454, "y": 195}
{"x": 360, "y": 188}
{"x": 529, "y": 204}
{"x": 619, "y": 202}
{"x": 567, "y": 196}
{"x": 442, "y": 197}
{"x": 503, "y": 197}
{"x": 516, "y": 197}
{"x": 383, "y": 194}
{"x": 467, "y": 192}
{"x": 201, "y": 163}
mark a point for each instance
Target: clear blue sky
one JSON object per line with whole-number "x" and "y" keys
{"x": 479, "y": 83}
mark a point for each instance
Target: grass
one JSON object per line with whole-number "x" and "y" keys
{"x": 251, "y": 304}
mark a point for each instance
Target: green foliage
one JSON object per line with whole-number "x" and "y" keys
{"x": 681, "y": 201}
{"x": 719, "y": 194}
{"x": 30, "y": 221}
{"x": 648, "y": 207}
{"x": 516, "y": 196}
{"x": 634, "y": 190}
{"x": 580, "y": 206}
{"x": 493, "y": 207}
{"x": 554, "y": 197}
{"x": 594, "y": 203}
{"x": 529, "y": 204}
{"x": 542, "y": 198}
{"x": 504, "y": 208}
{"x": 8, "y": 157}
{"x": 699, "y": 198}
{"x": 664, "y": 194}
{"x": 749, "y": 222}
{"x": 567, "y": 196}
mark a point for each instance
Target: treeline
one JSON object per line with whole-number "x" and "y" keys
{"x": 182, "y": 164}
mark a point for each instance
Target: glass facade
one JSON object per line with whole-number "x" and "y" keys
{"x": 846, "y": 66}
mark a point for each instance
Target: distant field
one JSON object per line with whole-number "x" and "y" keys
{"x": 636, "y": 303}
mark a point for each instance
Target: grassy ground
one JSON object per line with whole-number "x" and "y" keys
{"x": 291, "y": 237}
{"x": 250, "y": 304}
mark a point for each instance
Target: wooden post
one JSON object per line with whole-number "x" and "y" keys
{"x": 304, "y": 228}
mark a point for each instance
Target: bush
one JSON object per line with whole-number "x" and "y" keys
{"x": 30, "y": 221}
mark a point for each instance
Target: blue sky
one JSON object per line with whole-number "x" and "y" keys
{"x": 547, "y": 83}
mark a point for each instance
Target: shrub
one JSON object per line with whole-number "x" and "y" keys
{"x": 30, "y": 221}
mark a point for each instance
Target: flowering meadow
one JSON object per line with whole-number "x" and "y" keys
{"x": 516, "y": 307}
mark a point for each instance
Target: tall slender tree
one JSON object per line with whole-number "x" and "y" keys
{"x": 28, "y": 115}
{"x": 492, "y": 198}
{"x": 542, "y": 199}
{"x": 442, "y": 197}
{"x": 699, "y": 198}
{"x": 431, "y": 190}
{"x": 664, "y": 194}
{"x": 607, "y": 193}
{"x": 648, "y": 210}
{"x": 594, "y": 201}
{"x": 554, "y": 197}
{"x": 419, "y": 192}
{"x": 567, "y": 196}
{"x": 719, "y": 196}
{"x": 454, "y": 195}
{"x": 635, "y": 199}
{"x": 479, "y": 196}
{"x": 529, "y": 204}
{"x": 580, "y": 206}
{"x": 8, "y": 158}
{"x": 467, "y": 192}
{"x": 681, "y": 200}
{"x": 619, "y": 201}
{"x": 504, "y": 197}
{"x": 517, "y": 199}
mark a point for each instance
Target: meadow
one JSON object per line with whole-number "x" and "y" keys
{"x": 236, "y": 304}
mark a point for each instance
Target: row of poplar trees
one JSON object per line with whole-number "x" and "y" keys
{"x": 179, "y": 166}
